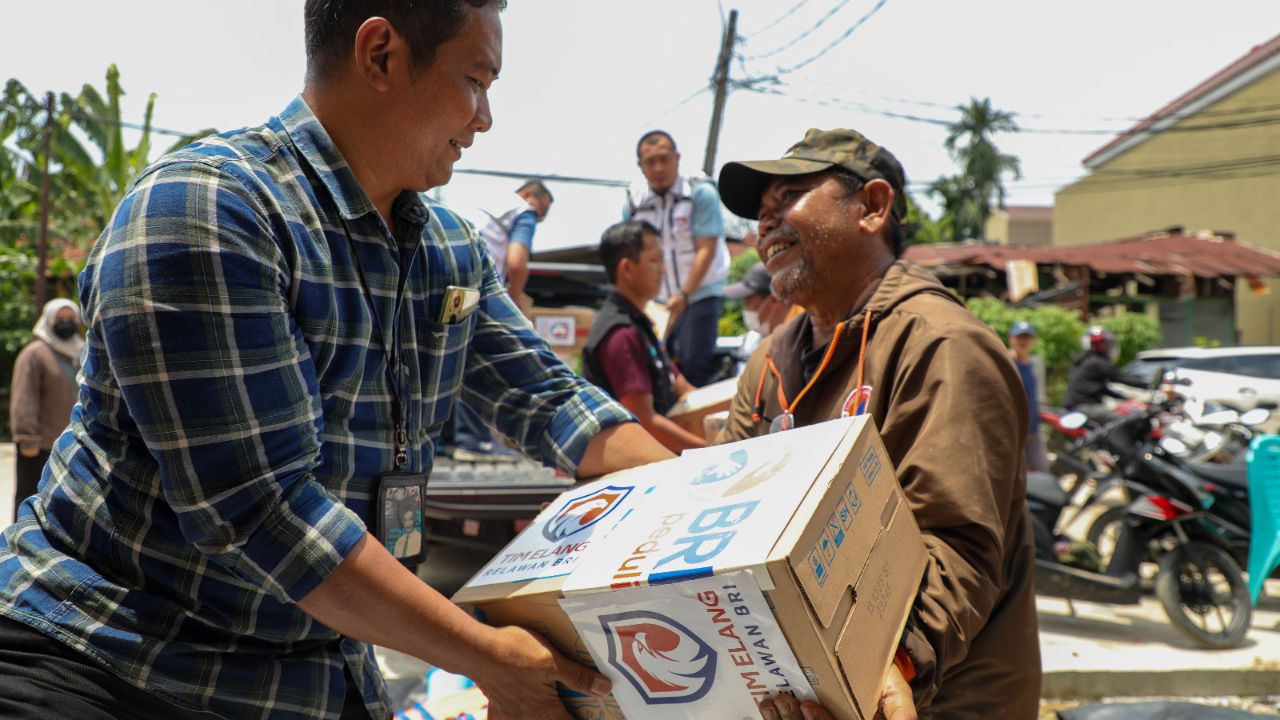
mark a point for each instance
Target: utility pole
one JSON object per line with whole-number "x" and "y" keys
{"x": 42, "y": 247}
{"x": 722, "y": 89}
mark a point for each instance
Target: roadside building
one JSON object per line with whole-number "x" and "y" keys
{"x": 1207, "y": 161}
{"x": 1020, "y": 226}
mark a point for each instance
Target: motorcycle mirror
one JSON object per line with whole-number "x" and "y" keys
{"x": 1256, "y": 416}
{"x": 1073, "y": 420}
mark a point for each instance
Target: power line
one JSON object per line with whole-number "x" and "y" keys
{"x": 677, "y": 106}
{"x": 793, "y": 41}
{"x": 1120, "y": 133}
{"x": 780, "y": 18}
{"x": 957, "y": 106}
{"x": 869, "y": 14}
{"x": 575, "y": 179}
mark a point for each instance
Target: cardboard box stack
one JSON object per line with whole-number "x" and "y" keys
{"x": 786, "y": 562}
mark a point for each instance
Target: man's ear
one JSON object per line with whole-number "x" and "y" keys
{"x": 380, "y": 53}
{"x": 877, "y": 205}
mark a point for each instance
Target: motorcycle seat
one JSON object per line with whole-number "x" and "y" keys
{"x": 1232, "y": 475}
{"x": 1044, "y": 487}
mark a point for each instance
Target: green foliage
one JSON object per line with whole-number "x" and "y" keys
{"x": 969, "y": 197}
{"x": 90, "y": 169}
{"x": 1205, "y": 342}
{"x": 1135, "y": 332}
{"x": 731, "y": 316}
{"x": 922, "y": 229}
{"x": 1058, "y": 333}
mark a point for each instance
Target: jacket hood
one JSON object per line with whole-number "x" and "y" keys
{"x": 905, "y": 280}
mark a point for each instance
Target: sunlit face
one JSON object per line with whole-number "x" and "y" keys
{"x": 659, "y": 163}
{"x": 808, "y": 236}
{"x": 645, "y": 272}
{"x": 442, "y": 107}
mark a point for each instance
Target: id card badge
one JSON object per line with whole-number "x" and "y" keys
{"x": 459, "y": 303}
{"x": 400, "y": 519}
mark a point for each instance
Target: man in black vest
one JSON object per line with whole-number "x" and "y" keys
{"x": 623, "y": 355}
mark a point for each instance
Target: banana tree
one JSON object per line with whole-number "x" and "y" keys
{"x": 91, "y": 166}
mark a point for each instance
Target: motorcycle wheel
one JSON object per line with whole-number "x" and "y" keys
{"x": 1105, "y": 531}
{"x": 1204, "y": 594}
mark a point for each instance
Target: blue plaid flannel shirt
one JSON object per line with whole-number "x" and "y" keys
{"x": 234, "y": 410}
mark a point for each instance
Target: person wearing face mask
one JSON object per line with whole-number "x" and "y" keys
{"x": 762, "y": 311}
{"x": 44, "y": 390}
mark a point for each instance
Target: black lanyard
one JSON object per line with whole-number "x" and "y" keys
{"x": 391, "y": 351}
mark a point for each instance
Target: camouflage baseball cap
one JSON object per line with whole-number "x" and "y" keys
{"x": 743, "y": 183}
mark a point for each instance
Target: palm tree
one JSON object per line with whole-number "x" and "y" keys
{"x": 961, "y": 213}
{"x": 983, "y": 166}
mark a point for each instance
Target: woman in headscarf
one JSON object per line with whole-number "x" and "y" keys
{"x": 44, "y": 390}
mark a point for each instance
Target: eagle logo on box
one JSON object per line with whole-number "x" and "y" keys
{"x": 659, "y": 657}
{"x": 584, "y": 511}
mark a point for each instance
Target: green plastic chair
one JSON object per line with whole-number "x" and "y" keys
{"x": 1264, "y": 500}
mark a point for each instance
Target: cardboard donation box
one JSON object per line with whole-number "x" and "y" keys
{"x": 805, "y": 530}
{"x": 781, "y": 563}
{"x": 522, "y": 584}
{"x": 689, "y": 412}
{"x": 564, "y": 329}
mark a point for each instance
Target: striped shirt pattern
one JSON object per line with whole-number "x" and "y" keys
{"x": 235, "y": 408}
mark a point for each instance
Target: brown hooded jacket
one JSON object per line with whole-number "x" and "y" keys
{"x": 951, "y": 409}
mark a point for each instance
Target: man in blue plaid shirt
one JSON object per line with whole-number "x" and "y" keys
{"x": 268, "y": 335}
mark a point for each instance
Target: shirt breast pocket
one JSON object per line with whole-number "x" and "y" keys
{"x": 443, "y": 351}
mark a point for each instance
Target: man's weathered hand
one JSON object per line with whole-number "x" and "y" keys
{"x": 786, "y": 707}
{"x": 896, "y": 699}
{"x": 521, "y": 684}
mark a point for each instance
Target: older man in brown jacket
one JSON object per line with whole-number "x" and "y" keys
{"x": 882, "y": 336}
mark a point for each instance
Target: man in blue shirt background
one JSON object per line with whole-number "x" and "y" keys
{"x": 1022, "y": 340}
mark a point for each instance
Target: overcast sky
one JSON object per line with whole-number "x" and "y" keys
{"x": 582, "y": 79}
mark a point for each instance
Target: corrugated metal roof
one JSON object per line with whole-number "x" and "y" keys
{"x": 1207, "y": 256}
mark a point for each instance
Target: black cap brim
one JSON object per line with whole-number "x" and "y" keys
{"x": 742, "y": 184}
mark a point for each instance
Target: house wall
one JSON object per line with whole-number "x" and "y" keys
{"x": 1170, "y": 180}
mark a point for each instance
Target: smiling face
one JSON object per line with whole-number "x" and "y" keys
{"x": 439, "y": 110}
{"x": 809, "y": 236}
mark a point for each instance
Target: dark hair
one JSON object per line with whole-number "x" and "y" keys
{"x": 330, "y": 27}
{"x": 623, "y": 240}
{"x": 538, "y": 188}
{"x": 651, "y": 137}
{"x": 893, "y": 232}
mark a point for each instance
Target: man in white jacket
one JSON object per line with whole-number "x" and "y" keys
{"x": 687, "y": 214}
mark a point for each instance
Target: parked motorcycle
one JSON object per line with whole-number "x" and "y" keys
{"x": 1198, "y": 582}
